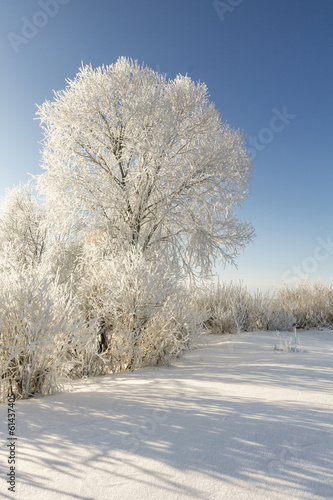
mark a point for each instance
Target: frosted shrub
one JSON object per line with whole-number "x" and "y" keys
{"x": 61, "y": 257}
{"x": 310, "y": 304}
{"x": 42, "y": 332}
{"x": 293, "y": 344}
{"x": 231, "y": 308}
{"x": 266, "y": 313}
{"x": 144, "y": 313}
{"x": 281, "y": 320}
{"x": 260, "y": 311}
{"x": 227, "y": 307}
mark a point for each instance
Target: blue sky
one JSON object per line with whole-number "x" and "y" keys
{"x": 260, "y": 59}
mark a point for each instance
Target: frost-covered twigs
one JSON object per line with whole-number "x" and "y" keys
{"x": 292, "y": 344}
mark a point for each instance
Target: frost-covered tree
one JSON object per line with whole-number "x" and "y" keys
{"x": 23, "y": 231}
{"x": 148, "y": 162}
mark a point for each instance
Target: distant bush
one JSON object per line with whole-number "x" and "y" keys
{"x": 227, "y": 308}
{"x": 260, "y": 309}
{"x": 310, "y": 304}
{"x": 232, "y": 308}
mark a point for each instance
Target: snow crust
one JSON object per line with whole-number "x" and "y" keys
{"x": 234, "y": 419}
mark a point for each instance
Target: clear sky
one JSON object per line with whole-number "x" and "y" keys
{"x": 268, "y": 68}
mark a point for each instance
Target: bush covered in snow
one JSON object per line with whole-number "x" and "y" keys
{"x": 310, "y": 304}
{"x": 118, "y": 313}
{"x": 232, "y": 308}
{"x": 145, "y": 314}
{"x": 227, "y": 307}
{"x": 42, "y": 332}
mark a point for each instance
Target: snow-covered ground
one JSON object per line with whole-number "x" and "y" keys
{"x": 234, "y": 419}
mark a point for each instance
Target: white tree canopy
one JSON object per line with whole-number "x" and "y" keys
{"x": 148, "y": 161}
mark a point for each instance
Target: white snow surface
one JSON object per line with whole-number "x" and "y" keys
{"x": 234, "y": 419}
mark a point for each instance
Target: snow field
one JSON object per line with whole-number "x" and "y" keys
{"x": 232, "y": 419}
